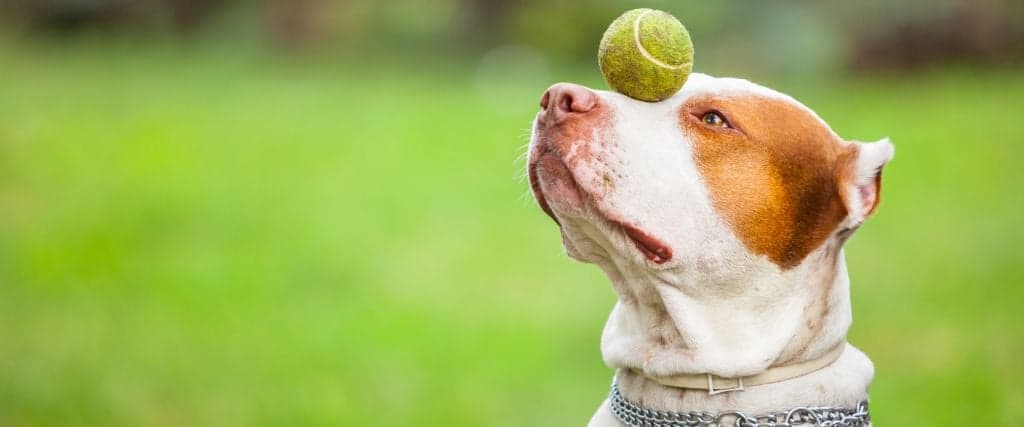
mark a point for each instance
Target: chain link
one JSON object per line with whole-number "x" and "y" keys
{"x": 638, "y": 416}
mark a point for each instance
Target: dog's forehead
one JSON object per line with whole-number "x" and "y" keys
{"x": 703, "y": 83}
{"x": 699, "y": 85}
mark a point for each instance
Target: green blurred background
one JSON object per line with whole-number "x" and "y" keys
{"x": 313, "y": 212}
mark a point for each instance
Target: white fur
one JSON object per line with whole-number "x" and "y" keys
{"x": 729, "y": 312}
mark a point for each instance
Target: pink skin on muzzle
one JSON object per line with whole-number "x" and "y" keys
{"x": 567, "y": 109}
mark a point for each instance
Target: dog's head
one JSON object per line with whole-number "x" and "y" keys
{"x": 725, "y": 179}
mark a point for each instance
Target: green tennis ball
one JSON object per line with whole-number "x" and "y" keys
{"x": 646, "y": 54}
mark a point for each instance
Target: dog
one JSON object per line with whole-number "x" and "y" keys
{"x": 719, "y": 216}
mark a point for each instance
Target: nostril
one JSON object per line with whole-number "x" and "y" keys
{"x": 565, "y": 98}
{"x": 566, "y": 103}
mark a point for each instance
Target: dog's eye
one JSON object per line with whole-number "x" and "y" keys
{"x": 714, "y": 118}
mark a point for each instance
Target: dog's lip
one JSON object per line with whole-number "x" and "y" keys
{"x": 538, "y": 193}
{"x": 651, "y": 247}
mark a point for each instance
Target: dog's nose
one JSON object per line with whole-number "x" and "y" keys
{"x": 565, "y": 99}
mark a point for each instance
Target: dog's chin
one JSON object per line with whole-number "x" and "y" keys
{"x": 574, "y": 252}
{"x": 559, "y": 195}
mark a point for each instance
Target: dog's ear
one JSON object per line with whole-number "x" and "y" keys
{"x": 861, "y": 178}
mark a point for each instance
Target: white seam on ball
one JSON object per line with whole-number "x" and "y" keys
{"x": 644, "y": 52}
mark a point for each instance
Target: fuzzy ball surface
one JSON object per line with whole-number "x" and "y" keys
{"x": 646, "y": 54}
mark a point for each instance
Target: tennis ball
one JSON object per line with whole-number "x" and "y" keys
{"x": 646, "y": 54}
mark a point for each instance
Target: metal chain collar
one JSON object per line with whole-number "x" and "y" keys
{"x": 635, "y": 415}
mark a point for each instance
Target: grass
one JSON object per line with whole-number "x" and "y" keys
{"x": 191, "y": 237}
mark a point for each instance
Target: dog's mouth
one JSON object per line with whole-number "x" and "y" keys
{"x": 650, "y": 246}
{"x": 559, "y": 183}
{"x": 534, "y": 178}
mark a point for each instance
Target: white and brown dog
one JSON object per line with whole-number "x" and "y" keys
{"x": 719, "y": 215}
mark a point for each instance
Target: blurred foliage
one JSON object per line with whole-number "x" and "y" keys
{"x": 782, "y": 37}
{"x": 309, "y": 212}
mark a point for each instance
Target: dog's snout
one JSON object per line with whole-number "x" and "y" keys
{"x": 564, "y": 99}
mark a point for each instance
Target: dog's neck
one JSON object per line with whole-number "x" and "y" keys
{"x": 842, "y": 384}
{"x": 659, "y": 328}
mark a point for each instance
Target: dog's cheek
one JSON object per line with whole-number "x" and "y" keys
{"x": 773, "y": 182}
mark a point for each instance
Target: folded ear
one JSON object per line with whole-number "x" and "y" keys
{"x": 862, "y": 181}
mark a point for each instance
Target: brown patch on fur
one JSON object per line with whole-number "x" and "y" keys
{"x": 775, "y": 177}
